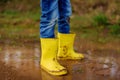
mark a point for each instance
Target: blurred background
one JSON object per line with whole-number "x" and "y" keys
{"x": 96, "y": 20}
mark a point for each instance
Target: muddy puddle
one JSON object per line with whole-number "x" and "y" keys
{"x": 22, "y": 63}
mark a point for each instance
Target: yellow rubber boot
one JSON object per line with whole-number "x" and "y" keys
{"x": 65, "y": 48}
{"x": 48, "y": 59}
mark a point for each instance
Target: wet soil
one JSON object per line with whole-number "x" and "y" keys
{"x": 21, "y": 62}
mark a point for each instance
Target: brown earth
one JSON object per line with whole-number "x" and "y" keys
{"x": 21, "y": 62}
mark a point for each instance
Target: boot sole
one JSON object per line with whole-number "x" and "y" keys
{"x": 56, "y": 73}
{"x": 69, "y": 58}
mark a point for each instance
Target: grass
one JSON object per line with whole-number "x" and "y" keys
{"x": 115, "y": 29}
{"x": 19, "y": 26}
{"x": 16, "y": 26}
{"x": 101, "y": 32}
{"x": 100, "y": 20}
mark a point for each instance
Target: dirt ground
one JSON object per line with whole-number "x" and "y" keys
{"x": 21, "y": 62}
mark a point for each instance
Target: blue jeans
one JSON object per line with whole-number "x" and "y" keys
{"x": 54, "y": 11}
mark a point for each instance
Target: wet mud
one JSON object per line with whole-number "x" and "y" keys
{"x": 22, "y": 63}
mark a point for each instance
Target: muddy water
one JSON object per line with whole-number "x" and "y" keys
{"x": 22, "y": 63}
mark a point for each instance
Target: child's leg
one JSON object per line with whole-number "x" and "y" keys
{"x": 66, "y": 39}
{"x": 49, "y": 44}
{"x": 64, "y": 13}
{"x": 49, "y": 10}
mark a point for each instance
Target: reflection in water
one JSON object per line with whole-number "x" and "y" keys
{"x": 37, "y": 52}
{"x": 110, "y": 63}
{"x": 6, "y": 57}
{"x": 105, "y": 66}
{"x": 37, "y": 56}
{"x": 17, "y": 58}
{"x": 107, "y": 60}
{"x": 26, "y": 61}
{"x": 46, "y": 76}
{"x": 36, "y": 62}
{"x": 114, "y": 69}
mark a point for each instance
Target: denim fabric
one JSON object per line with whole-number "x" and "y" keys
{"x": 54, "y": 11}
